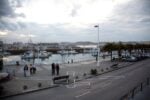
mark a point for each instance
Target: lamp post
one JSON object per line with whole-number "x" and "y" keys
{"x": 97, "y": 26}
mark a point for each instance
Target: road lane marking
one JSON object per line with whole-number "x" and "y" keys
{"x": 79, "y": 84}
{"x": 112, "y": 77}
{"x": 87, "y": 92}
{"x": 33, "y": 78}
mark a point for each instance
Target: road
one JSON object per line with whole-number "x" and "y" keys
{"x": 109, "y": 86}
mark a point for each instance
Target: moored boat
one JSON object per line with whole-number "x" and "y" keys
{"x": 31, "y": 55}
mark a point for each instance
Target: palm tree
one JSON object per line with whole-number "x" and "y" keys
{"x": 119, "y": 48}
{"x": 109, "y": 47}
{"x": 129, "y": 47}
{"x": 125, "y": 48}
{"x": 147, "y": 48}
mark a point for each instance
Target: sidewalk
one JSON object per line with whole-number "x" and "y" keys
{"x": 144, "y": 95}
{"x": 43, "y": 75}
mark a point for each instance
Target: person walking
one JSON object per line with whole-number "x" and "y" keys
{"x": 34, "y": 69}
{"x": 57, "y": 69}
{"x": 53, "y": 68}
{"x": 25, "y": 70}
{"x": 31, "y": 69}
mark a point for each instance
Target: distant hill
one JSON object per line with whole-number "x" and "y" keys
{"x": 85, "y": 43}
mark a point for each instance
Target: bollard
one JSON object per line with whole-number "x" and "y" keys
{"x": 39, "y": 84}
{"x": 14, "y": 73}
{"x": 89, "y": 85}
{"x": 148, "y": 81}
{"x": 67, "y": 81}
{"x": 76, "y": 77}
{"x": 52, "y": 82}
{"x": 1, "y": 63}
{"x": 141, "y": 87}
{"x": 17, "y": 63}
{"x": 133, "y": 93}
{"x": 25, "y": 87}
{"x": 107, "y": 68}
{"x": 125, "y": 97}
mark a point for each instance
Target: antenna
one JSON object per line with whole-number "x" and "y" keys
{"x": 30, "y": 40}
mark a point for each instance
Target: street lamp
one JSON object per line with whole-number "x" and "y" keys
{"x": 97, "y": 26}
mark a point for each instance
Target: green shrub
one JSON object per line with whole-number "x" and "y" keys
{"x": 76, "y": 77}
{"x": 1, "y": 89}
{"x": 93, "y": 71}
{"x": 84, "y": 74}
{"x": 107, "y": 68}
{"x": 25, "y": 87}
{"x": 39, "y": 84}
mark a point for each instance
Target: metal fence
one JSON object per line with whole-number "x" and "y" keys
{"x": 136, "y": 89}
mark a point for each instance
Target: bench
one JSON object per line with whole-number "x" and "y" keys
{"x": 66, "y": 77}
{"x": 114, "y": 65}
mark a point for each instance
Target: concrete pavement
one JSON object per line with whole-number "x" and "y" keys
{"x": 144, "y": 95}
{"x": 44, "y": 76}
{"x": 109, "y": 86}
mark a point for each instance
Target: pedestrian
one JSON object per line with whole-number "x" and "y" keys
{"x": 53, "y": 68}
{"x": 31, "y": 69}
{"x": 17, "y": 63}
{"x": 25, "y": 70}
{"x": 71, "y": 60}
{"x": 34, "y": 69}
{"x": 57, "y": 68}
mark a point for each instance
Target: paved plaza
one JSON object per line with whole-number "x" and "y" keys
{"x": 76, "y": 71}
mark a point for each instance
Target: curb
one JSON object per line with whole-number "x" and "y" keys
{"x": 113, "y": 69}
{"x": 117, "y": 69}
{"x": 92, "y": 76}
{"x": 57, "y": 85}
{"x": 29, "y": 91}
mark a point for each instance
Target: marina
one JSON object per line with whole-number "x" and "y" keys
{"x": 56, "y": 58}
{"x": 32, "y": 55}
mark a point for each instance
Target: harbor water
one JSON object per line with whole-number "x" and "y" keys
{"x": 56, "y": 58}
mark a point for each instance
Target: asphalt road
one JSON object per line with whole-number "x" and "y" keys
{"x": 109, "y": 86}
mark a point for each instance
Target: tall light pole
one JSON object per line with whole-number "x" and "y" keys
{"x": 97, "y": 26}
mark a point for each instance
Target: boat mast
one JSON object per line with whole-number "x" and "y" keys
{"x": 31, "y": 47}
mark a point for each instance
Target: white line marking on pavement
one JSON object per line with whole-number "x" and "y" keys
{"x": 87, "y": 92}
{"x": 33, "y": 78}
{"x": 79, "y": 84}
{"x": 112, "y": 77}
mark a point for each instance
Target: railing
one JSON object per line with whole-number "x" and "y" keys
{"x": 131, "y": 94}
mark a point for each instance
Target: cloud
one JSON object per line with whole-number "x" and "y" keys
{"x": 3, "y": 33}
{"x": 8, "y": 16}
{"x": 129, "y": 22}
{"x": 75, "y": 9}
{"x": 133, "y": 10}
{"x": 7, "y": 8}
{"x": 11, "y": 26}
{"x": 27, "y": 35}
{"x": 74, "y": 20}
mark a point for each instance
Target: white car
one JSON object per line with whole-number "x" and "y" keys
{"x": 4, "y": 76}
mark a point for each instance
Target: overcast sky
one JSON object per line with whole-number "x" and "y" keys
{"x": 74, "y": 20}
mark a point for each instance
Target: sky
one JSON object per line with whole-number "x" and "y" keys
{"x": 74, "y": 20}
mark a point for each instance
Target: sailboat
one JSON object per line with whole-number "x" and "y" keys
{"x": 34, "y": 53}
{"x": 29, "y": 55}
{"x": 44, "y": 54}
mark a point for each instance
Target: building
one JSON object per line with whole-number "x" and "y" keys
{"x": 1, "y": 47}
{"x": 1, "y": 55}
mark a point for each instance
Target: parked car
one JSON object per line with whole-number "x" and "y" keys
{"x": 129, "y": 58}
{"x": 4, "y": 76}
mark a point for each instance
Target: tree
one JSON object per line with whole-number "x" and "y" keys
{"x": 119, "y": 48}
{"x": 109, "y": 47}
{"x": 129, "y": 47}
{"x": 1, "y": 63}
